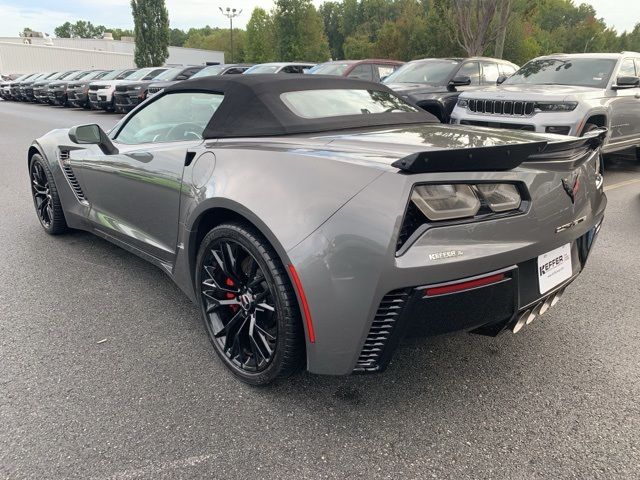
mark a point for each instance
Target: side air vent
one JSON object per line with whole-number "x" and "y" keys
{"x": 371, "y": 357}
{"x": 63, "y": 155}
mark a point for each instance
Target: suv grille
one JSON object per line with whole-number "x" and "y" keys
{"x": 94, "y": 87}
{"x": 502, "y": 107}
{"x": 391, "y": 306}
{"x": 121, "y": 88}
{"x": 153, "y": 90}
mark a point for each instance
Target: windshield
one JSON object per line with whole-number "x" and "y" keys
{"x": 89, "y": 75}
{"x": 313, "y": 103}
{"x": 263, "y": 69}
{"x": 169, "y": 74}
{"x": 66, "y": 74}
{"x": 209, "y": 71}
{"x": 585, "y": 72}
{"x": 78, "y": 75}
{"x": 330, "y": 69}
{"x": 140, "y": 74}
{"x": 433, "y": 72}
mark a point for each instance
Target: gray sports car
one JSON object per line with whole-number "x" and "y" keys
{"x": 316, "y": 220}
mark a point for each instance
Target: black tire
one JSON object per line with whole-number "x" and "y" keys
{"x": 241, "y": 336}
{"x": 45, "y": 197}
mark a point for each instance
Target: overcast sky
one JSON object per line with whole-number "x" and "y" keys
{"x": 45, "y": 15}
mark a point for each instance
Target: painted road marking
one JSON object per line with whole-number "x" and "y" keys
{"x": 621, "y": 184}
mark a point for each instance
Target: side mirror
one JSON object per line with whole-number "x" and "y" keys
{"x": 626, "y": 82}
{"x": 382, "y": 79}
{"x": 501, "y": 79}
{"x": 92, "y": 135}
{"x": 182, "y": 77}
{"x": 459, "y": 81}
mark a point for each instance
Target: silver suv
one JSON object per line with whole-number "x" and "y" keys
{"x": 567, "y": 94}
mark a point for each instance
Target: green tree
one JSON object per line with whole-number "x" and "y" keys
{"x": 118, "y": 33}
{"x": 80, "y": 29}
{"x": 151, "y": 20}
{"x": 219, "y": 39}
{"x": 358, "y": 46}
{"x": 332, "y": 16}
{"x": 260, "y": 42}
{"x": 177, "y": 37}
{"x": 299, "y": 31}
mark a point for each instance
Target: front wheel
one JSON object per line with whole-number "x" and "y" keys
{"x": 248, "y": 305}
{"x": 45, "y": 197}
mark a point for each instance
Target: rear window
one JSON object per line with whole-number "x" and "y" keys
{"x": 314, "y": 103}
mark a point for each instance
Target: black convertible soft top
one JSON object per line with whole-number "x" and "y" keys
{"x": 252, "y": 106}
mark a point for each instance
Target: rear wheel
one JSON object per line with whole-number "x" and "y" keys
{"x": 248, "y": 305}
{"x": 45, "y": 197}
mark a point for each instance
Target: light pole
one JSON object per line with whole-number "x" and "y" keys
{"x": 230, "y": 13}
{"x": 588, "y": 42}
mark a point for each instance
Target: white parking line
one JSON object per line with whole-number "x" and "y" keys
{"x": 621, "y": 184}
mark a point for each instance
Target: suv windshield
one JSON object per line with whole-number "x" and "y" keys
{"x": 263, "y": 69}
{"x": 330, "y": 69}
{"x": 584, "y": 72}
{"x": 140, "y": 74}
{"x": 433, "y": 72}
{"x": 209, "y": 71}
{"x": 169, "y": 74}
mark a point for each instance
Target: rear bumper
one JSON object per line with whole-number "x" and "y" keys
{"x": 512, "y": 296}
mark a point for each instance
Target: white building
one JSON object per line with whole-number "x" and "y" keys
{"x": 20, "y": 55}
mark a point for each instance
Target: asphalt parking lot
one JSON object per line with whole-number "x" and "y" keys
{"x": 106, "y": 371}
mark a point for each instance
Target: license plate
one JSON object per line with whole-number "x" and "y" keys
{"x": 554, "y": 267}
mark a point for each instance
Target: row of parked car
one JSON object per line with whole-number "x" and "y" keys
{"x": 566, "y": 94}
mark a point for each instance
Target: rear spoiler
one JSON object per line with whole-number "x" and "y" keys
{"x": 500, "y": 157}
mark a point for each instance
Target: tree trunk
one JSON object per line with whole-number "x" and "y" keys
{"x": 504, "y": 12}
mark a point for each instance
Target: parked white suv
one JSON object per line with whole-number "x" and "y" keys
{"x": 567, "y": 94}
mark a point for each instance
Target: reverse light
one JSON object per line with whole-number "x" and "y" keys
{"x": 445, "y": 202}
{"x": 501, "y": 197}
{"x": 555, "y": 106}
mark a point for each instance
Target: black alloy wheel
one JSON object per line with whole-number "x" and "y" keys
{"x": 45, "y": 197}
{"x": 248, "y": 305}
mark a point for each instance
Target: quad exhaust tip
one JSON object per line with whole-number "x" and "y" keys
{"x": 530, "y": 314}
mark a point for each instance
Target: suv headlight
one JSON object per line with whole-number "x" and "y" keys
{"x": 555, "y": 106}
{"x": 463, "y": 102}
{"x": 454, "y": 201}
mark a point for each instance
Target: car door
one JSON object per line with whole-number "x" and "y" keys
{"x": 625, "y": 107}
{"x": 134, "y": 195}
{"x": 471, "y": 70}
{"x": 363, "y": 71}
{"x": 383, "y": 70}
{"x": 490, "y": 73}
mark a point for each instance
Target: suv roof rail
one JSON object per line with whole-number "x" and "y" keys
{"x": 629, "y": 51}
